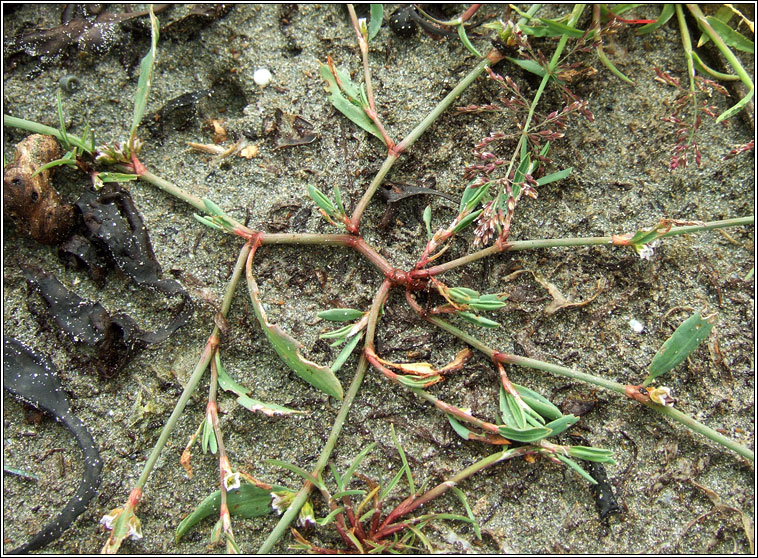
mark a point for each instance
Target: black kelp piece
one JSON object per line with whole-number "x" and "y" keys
{"x": 605, "y": 499}
{"x": 115, "y": 340}
{"x": 114, "y": 224}
{"x": 34, "y": 379}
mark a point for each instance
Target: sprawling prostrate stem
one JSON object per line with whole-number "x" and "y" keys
{"x": 326, "y": 452}
{"x": 197, "y": 373}
{"x": 412, "y": 503}
{"x": 595, "y": 380}
{"x": 581, "y": 241}
{"x": 210, "y": 348}
{"x": 37, "y": 128}
{"x": 492, "y": 58}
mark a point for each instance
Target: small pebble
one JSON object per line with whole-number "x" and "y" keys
{"x": 262, "y": 77}
{"x": 636, "y": 326}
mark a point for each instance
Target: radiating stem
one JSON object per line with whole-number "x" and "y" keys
{"x": 595, "y": 380}
{"x": 326, "y": 452}
{"x": 197, "y": 373}
{"x": 581, "y": 241}
{"x": 38, "y": 128}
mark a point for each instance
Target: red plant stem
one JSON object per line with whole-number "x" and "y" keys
{"x": 411, "y": 503}
{"x": 468, "y": 14}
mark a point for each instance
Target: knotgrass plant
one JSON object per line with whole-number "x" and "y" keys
{"x": 489, "y": 202}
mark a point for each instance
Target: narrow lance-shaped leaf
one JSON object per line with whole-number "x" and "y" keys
{"x": 268, "y": 409}
{"x": 248, "y": 501}
{"x": 319, "y": 376}
{"x": 666, "y": 12}
{"x": 576, "y": 467}
{"x": 731, "y": 37}
{"x": 678, "y": 347}
{"x": 353, "y": 112}
{"x": 146, "y": 72}
{"x": 341, "y": 314}
{"x": 555, "y": 176}
{"x": 375, "y": 21}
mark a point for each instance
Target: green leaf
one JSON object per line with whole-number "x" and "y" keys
{"x": 356, "y": 463}
{"x": 375, "y": 20}
{"x": 478, "y": 320}
{"x": 117, "y": 177}
{"x": 731, "y": 37}
{"x": 678, "y": 347}
{"x": 413, "y": 381}
{"x": 555, "y": 176}
{"x": 511, "y": 412}
{"x": 527, "y": 435}
{"x": 268, "y": 409}
{"x": 341, "y": 314}
{"x": 458, "y": 426}
{"x": 329, "y": 518}
{"x": 466, "y": 42}
{"x": 207, "y": 222}
{"x": 396, "y": 479}
{"x": 427, "y": 217}
{"x": 247, "y": 501}
{"x": 700, "y": 65}
{"x": 403, "y": 460}
{"x": 225, "y": 380}
{"x": 321, "y": 200}
{"x": 561, "y": 424}
{"x": 297, "y": 470}
{"x": 340, "y": 333}
{"x": 209, "y": 437}
{"x": 466, "y": 221}
{"x": 529, "y": 66}
{"x": 666, "y": 12}
{"x": 67, "y": 159}
{"x": 608, "y": 64}
{"x": 346, "y": 351}
{"x": 62, "y": 122}
{"x": 146, "y": 73}
{"x": 599, "y": 455}
{"x": 576, "y": 467}
{"x": 558, "y": 29}
{"x": 472, "y": 196}
{"x": 338, "y": 199}
{"x": 288, "y": 349}
{"x": 539, "y": 403}
{"x": 474, "y": 523}
{"x": 355, "y": 113}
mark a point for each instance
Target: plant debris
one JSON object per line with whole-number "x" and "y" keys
{"x": 29, "y": 199}
{"x": 34, "y": 379}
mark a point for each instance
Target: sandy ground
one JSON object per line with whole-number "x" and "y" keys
{"x": 620, "y": 183}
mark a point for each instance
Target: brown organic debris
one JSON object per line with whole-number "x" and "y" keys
{"x": 31, "y": 200}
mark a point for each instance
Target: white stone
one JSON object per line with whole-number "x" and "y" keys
{"x": 262, "y": 77}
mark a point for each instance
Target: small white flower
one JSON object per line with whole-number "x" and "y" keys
{"x": 661, "y": 395}
{"x": 232, "y": 481}
{"x": 306, "y": 518}
{"x": 135, "y": 528}
{"x": 110, "y": 518}
{"x": 280, "y": 501}
{"x": 646, "y": 251}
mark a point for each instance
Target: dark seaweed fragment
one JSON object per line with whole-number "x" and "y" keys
{"x": 33, "y": 378}
{"x": 93, "y": 33}
{"x": 605, "y": 499}
{"x": 114, "y": 224}
{"x": 79, "y": 253}
{"x": 116, "y": 340}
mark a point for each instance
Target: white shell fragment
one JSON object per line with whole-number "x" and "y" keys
{"x": 636, "y": 326}
{"x": 262, "y": 77}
